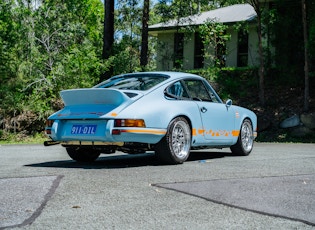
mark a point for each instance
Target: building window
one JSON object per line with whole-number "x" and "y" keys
{"x": 242, "y": 49}
{"x": 199, "y": 52}
{"x": 178, "y": 50}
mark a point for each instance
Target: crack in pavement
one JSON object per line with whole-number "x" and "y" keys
{"x": 290, "y": 197}
{"x": 23, "y": 199}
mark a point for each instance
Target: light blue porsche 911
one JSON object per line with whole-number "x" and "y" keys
{"x": 169, "y": 113}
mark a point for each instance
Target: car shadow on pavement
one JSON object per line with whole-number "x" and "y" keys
{"x": 127, "y": 160}
{"x": 205, "y": 155}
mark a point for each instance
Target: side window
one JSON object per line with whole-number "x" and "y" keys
{"x": 214, "y": 97}
{"x": 197, "y": 90}
{"x": 177, "y": 90}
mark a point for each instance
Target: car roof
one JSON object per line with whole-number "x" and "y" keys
{"x": 172, "y": 75}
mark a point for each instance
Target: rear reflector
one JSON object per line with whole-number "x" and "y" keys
{"x": 116, "y": 132}
{"x": 48, "y": 131}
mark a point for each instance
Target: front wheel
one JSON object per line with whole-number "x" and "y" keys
{"x": 82, "y": 155}
{"x": 245, "y": 141}
{"x": 174, "y": 148}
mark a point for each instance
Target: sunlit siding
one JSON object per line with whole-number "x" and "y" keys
{"x": 165, "y": 51}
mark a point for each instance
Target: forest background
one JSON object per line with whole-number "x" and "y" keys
{"x": 48, "y": 46}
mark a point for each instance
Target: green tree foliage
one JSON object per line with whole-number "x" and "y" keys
{"x": 128, "y": 34}
{"x": 214, "y": 35}
{"x": 288, "y": 39}
{"x": 45, "y": 48}
{"x": 175, "y": 9}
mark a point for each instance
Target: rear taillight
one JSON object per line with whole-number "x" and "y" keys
{"x": 129, "y": 123}
{"x": 49, "y": 124}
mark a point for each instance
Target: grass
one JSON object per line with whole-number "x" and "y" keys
{"x": 20, "y": 138}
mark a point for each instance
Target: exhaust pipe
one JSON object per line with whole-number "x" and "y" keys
{"x": 49, "y": 143}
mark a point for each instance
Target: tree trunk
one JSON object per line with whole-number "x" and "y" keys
{"x": 108, "y": 38}
{"x": 306, "y": 64}
{"x": 261, "y": 71}
{"x": 261, "y": 66}
{"x": 144, "y": 42}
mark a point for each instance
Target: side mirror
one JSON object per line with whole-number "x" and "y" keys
{"x": 228, "y": 103}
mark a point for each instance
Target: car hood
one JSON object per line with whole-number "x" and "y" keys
{"x": 94, "y": 103}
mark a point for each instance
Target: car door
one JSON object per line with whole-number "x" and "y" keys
{"x": 217, "y": 117}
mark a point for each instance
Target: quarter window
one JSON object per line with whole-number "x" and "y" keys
{"x": 197, "y": 90}
{"x": 177, "y": 90}
{"x": 192, "y": 89}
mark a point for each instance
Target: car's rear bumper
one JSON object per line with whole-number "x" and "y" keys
{"x": 105, "y": 133}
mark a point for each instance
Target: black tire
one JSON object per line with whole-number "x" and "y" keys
{"x": 83, "y": 155}
{"x": 245, "y": 141}
{"x": 174, "y": 148}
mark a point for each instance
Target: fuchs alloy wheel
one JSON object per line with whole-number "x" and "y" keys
{"x": 174, "y": 148}
{"x": 82, "y": 154}
{"x": 245, "y": 141}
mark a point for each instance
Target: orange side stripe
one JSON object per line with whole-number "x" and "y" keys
{"x": 235, "y": 133}
{"x": 217, "y": 133}
{"x": 194, "y": 133}
{"x": 143, "y": 131}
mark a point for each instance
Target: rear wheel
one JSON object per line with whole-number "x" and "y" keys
{"x": 174, "y": 148}
{"x": 82, "y": 155}
{"x": 245, "y": 141}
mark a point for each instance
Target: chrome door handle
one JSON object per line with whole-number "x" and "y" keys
{"x": 203, "y": 110}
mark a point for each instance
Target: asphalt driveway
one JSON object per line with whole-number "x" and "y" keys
{"x": 273, "y": 188}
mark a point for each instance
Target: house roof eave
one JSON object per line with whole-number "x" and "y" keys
{"x": 227, "y": 15}
{"x": 172, "y": 29}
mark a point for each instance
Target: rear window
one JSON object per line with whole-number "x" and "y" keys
{"x": 133, "y": 81}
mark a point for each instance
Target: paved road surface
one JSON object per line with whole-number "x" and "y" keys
{"x": 273, "y": 188}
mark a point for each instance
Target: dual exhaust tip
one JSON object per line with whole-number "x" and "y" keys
{"x": 49, "y": 143}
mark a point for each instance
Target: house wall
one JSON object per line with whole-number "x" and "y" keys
{"x": 253, "y": 51}
{"x": 231, "y": 46}
{"x": 165, "y": 50}
{"x": 231, "y": 60}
